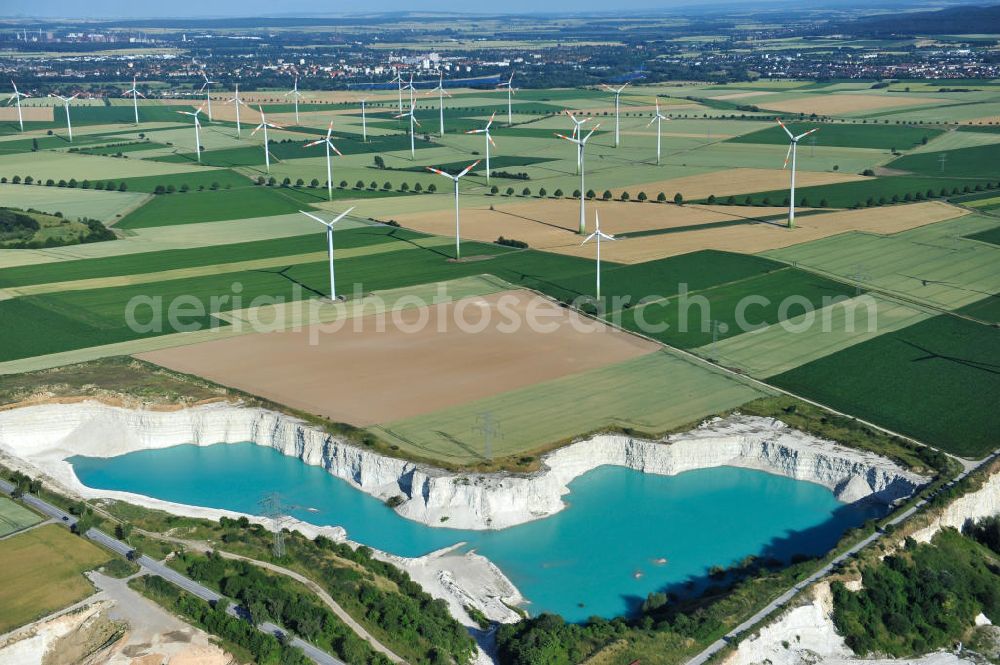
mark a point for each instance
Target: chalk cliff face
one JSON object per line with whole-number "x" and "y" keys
{"x": 45, "y": 435}
{"x": 984, "y": 502}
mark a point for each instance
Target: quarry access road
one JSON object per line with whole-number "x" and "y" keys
{"x": 318, "y": 656}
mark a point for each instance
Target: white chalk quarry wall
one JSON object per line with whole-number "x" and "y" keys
{"x": 984, "y": 502}
{"x": 45, "y": 435}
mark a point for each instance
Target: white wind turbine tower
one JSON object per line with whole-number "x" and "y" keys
{"x": 409, "y": 86}
{"x": 264, "y": 124}
{"x": 399, "y": 80}
{"x": 295, "y": 94}
{"x": 206, "y": 87}
{"x": 329, "y": 243}
{"x": 236, "y": 101}
{"x": 364, "y": 121}
{"x": 792, "y": 149}
{"x": 442, "y": 93}
{"x": 66, "y": 101}
{"x": 489, "y": 142}
{"x": 658, "y": 119}
{"x": 135, "y": 99}
{"x": 197, "y": 129}
{"x": 598, "y": 234}
{"x": 16, "y": 98}
{"x": 329, "y": 166}
{"x": 458, "y": 226}
{"x": 510, "y": 95}
{"x": 413, "y": 125}
{"x": 576, "y": 133}
{"x": 581, "y": 143}
{"x": 618, "y": 97}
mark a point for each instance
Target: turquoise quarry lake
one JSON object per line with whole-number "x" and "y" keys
{"x": 600, "y": 556}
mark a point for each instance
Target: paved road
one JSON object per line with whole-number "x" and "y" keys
{"x": 783, "y": 599}
{"x": 157, "y": 568}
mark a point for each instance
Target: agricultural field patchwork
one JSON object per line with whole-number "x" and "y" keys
{"x": 43, "y": 571}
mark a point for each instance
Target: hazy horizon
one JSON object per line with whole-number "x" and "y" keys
{"x": 103, "y": 9}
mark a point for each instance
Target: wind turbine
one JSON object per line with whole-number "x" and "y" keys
{"x": 441, "y": 95}
{"x": 581, "y": 143}
{"x": 409, "y": 86}
{"x": 456, "y": 178}
{"x": 597, "y": 234}
{"x": 329, "y": 243}
{"x": 264, "y": 124}
{"x": 792, "y": 149}
{"x": 197, "y": 129}
{"x": 399, "y": 80}
{"x": 16, "y": 98}
{"x": 66, "y": 101}
{"x": 236, "y": 101}
{"x": 206, "y": 87}
{"x": 135, "y": 99}
{"x": 294, "y": 92}
{"x": 576, "y": 133}
{"x": 658, "y": 119}
{"x": 618, "y": 97}
{"x": 489, "y": 142}
{"x": 510, "y": 94}
{"x": 413, "y": 125}
{"x": 364, "y": 121}
{"x": 329, "y": 167}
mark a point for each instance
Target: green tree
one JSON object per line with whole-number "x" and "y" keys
{"x": 679, "y": 198}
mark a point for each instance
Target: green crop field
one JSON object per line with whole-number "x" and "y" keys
{"x": 876, "y": 191}
{"x": 987, "y": 309}
{"x": 883, "y": 137}
{"x": 927, "y": 264}
{"x": 936, "y": 381}
{"x": 737, "y": 306}
{"x": 209, "y": 206}
{"x": 979, "y": 162}
{"x": 15, "y": 517}
{"x": 633, "y": 394}
{"x": 991, "y": 236}
{"x": 145, "y": 262}
{"x": 810, "y": 336}
{"x": 49, "y": 562}
{"x": 72, "y": 203}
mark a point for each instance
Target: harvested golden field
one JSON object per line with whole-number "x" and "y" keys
{"x": 552, "y": 224}
{"x": 737, "y": 181}
{"x": 837, "y": 104}
{"x": 422, "y": 359}
{"x": 33, "y": 113}
{"x": 41, "y": 571}
{"x": 762, "y": 236}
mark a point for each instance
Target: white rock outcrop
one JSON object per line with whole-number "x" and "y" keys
{"x": 45, "y": 435}
{"x": 984, "y": 502}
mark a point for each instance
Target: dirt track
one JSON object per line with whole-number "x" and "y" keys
{"x": 362, "y": 376}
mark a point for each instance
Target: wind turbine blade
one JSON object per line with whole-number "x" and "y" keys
{"x": 587, "y": 138}
{"x": 491, "y": 120}
{"x": 321, "y": 221}
{"x": 571, "y": 140}
{"x": 440, "y": 172}
{"x": 341, "y": 216}
{"x": 490, "y": 139}
{"x": 475, "y": 131}
{"x": 334, "y": 148}
{"x": 311, "y": 143}
{"x": 588, "y": 238}
{"x": 468, "y": 168}
{"x": 805, "y": 134}
{"x": 790, "y": 135}
{"x": 788, "y": 155}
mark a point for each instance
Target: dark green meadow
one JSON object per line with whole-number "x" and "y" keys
{"x": 686, "y": 322}
{"x": 936, "y": 381}
{"x": 980, "y": 162}
{"x": 843, "y": 135}
{"x": 866, "y": 193}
